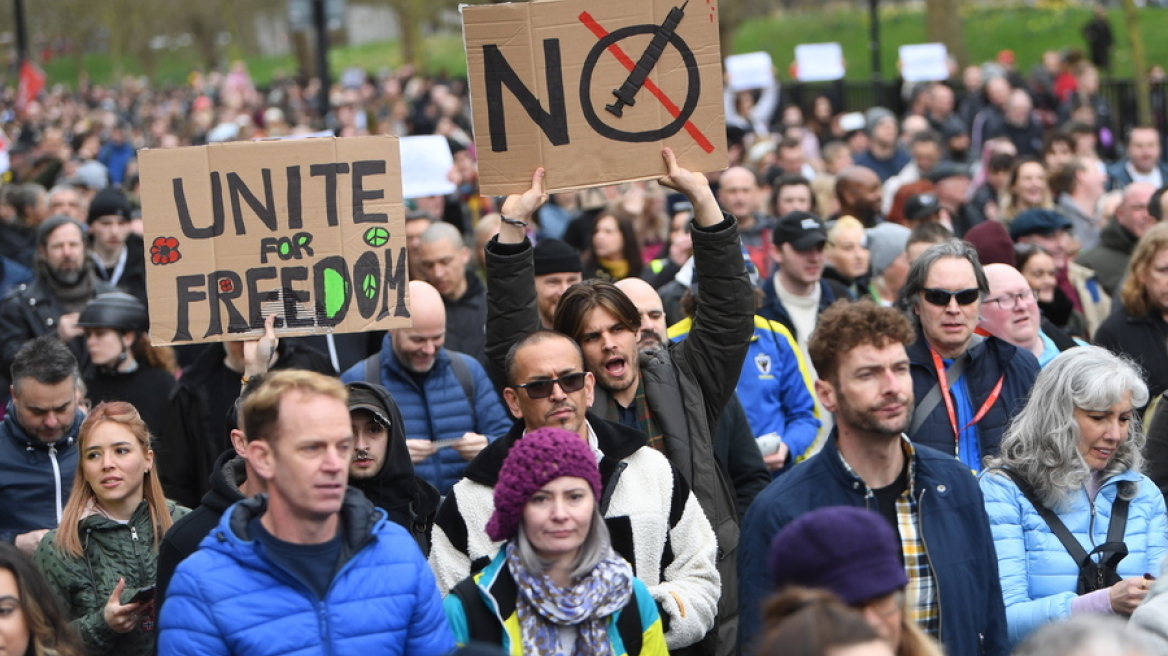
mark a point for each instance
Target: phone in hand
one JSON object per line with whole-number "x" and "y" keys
{"x": 145, "y": 594}
{"x": 769, "y": 443}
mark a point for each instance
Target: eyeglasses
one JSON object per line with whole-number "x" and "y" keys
{"x": 943, "y": 297}
{"x": 1010, "y": 301}
{"x": 541, "y": 389}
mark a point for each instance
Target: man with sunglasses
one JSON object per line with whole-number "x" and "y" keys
{"x": 967, "y": 386}
{"x": 675, "y": 396}
{"x": 654, "y": 520}
{"x": 1011, "y": 313}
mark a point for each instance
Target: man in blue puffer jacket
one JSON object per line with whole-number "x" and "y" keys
{"x": 311, "y": 567}
{"x": 450, "y": 416}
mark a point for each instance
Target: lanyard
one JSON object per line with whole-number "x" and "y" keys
{"x": 945, "y": 394}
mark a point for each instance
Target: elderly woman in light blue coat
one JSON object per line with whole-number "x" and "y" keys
{"x": 1077, "y": 443}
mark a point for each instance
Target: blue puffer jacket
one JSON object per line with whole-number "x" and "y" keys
{"x": 438, "y": 409}
{"x": 35, "y": 477}
{"x": 1039, "y": 577}
{"x": 230, "y": 598}
{"x": 953, "y": 524}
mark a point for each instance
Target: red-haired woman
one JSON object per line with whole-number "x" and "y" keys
{"x": 101, "y": 560}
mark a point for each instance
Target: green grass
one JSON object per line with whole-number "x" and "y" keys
{"x": 1028, "y": 31}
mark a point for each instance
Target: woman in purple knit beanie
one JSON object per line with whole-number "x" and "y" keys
{"x": 556, "y": 586}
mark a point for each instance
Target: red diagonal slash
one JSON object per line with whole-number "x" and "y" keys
{"x": 649, "y": 85}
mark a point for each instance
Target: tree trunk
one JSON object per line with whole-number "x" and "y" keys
{"x": 943, "y": 19}
{"x": 1139, "y": 64}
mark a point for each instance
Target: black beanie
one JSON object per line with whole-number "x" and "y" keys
{"x": 555, "y": 256}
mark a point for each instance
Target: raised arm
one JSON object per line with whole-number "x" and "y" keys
{"x": 511, "y": 303}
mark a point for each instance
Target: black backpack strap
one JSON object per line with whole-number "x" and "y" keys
{"x": 373, "y": 368}
{"x": 462, "y": 373}
{"x": 1052, "y": 520}
{"x": 1118, "y": 524}
{"x": 628, "y": 625}
{"x": 481, "y": 625}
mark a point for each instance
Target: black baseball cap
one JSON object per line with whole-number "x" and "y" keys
{"x": 802, "y": 230}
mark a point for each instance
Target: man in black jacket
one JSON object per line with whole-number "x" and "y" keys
{"x": 675, "y": 397}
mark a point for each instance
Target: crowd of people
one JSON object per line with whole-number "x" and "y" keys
{"x": 885, "y": 385}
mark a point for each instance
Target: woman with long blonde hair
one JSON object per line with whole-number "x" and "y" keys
{"x": 102, "y": 559}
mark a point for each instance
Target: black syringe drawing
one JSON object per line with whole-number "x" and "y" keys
{"x": 626, "y": 94}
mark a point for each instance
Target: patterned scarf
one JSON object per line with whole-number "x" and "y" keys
{"x": 543, "y": 606}
{"x": 646, "y": 423}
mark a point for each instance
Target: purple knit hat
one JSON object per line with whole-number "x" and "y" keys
{"x": 538, "y": 458}
{"x": 850, "y": 551}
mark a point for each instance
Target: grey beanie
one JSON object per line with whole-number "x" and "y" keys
{"x": 885, "y": 242}
{"x": 875, "y": 115}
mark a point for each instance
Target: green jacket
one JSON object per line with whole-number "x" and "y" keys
{"x": 112, "y": 551}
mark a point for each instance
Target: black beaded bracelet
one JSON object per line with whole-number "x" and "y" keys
{"x": 514, "y": 222}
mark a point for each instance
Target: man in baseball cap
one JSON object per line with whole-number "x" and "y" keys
{"x": 797, "y": 292}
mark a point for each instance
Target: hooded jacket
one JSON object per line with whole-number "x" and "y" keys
{"x": 112, "y": 551}
{"x": 437, "y": 408}
{"x": 407, "y": 499}
{"x": 653, "y": 519}
{"x": 35, "y": 478}
{"x": 231, "y": 598}
{"x": 184, "y": 536}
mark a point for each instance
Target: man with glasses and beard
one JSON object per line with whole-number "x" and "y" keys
{"x": 52, "y": 302}
{"x": 967, "y": 386}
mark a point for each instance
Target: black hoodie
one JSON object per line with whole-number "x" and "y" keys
{"x": 408, "y": 500}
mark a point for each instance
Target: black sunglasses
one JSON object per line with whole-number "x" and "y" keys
{"x": 942, "y": 297}
{"x": 541, "y": 389}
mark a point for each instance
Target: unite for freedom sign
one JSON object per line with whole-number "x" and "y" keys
{"x": 311, "y": 230}
{"x": 592, "y": 89}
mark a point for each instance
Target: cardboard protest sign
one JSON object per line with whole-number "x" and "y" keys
{"x": 924, "y": 62}
{"x": 425, "y": 165}
{"x": 753, "y": 70}
{"x": 819, "y": 62}
{"x": 312, "y": 230}
{"x": 592, "y": 89}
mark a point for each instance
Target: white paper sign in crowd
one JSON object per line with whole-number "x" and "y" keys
{"x": 924, "y": 62}
{"x": 753, "y": 70}
{"x": 819, "y": 62}
{"x": 425, "y": 166}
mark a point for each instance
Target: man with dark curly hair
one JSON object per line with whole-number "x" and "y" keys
{"x": 929, "y": 498}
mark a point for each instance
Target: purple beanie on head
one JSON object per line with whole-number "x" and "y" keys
{"x": 850, "y": 551}
{"x": 538, "y": 458}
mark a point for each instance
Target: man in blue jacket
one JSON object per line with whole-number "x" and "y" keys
{"x": 930, "y": 499}
{"x": 38, "y": 449}
{"x": 450, "y": 407}
{"x": 313, "y": 566}
{"x": 967, "y": 387}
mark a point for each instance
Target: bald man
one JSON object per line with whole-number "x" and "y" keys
{"x": 859, "y": 192}
{"x": 449, "y": 406}
{"x": 1010, "y": 312}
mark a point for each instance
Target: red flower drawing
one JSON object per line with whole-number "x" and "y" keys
{"x": 165, "y": 251}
